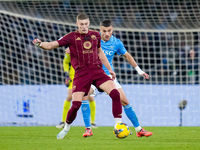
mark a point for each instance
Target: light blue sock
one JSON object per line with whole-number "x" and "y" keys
{"x": 85, "y": 107}
{"x": 131, "y": 115}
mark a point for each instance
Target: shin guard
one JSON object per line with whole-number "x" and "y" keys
{"x": 116, "y": 104}
{"x": 71, "y": 115}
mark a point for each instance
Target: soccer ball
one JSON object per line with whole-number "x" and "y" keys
{"x": 121, "y": 130}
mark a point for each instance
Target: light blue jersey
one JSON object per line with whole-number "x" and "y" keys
{"x": 111, "y": 47}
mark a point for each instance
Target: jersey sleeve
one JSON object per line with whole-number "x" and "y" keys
{"x": 121, "y": 49}
{"x": 66, "y": 63}
{"x": 65, "y": 40}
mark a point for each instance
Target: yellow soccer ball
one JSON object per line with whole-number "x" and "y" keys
{"x": 121, "y": 130}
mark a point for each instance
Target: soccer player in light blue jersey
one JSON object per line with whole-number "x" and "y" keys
{"x": 111, "y": 45}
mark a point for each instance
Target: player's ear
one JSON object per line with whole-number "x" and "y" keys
{"x": 100, "y": 28}
{"x": 111, "y": 28}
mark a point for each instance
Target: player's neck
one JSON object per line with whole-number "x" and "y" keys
{"x": 104, "y": 40}
{"x": 82, "y": 32}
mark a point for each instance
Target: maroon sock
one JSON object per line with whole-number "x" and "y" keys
{"x": 71, "y": 115}
{"x": 116, "y": 104}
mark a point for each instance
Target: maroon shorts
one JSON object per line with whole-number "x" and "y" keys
{"x": 86, "y": 76}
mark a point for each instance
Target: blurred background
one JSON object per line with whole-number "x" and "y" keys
{"x": 163, "y": 36}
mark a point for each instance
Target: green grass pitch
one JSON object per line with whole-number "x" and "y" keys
{"x": 44, "y": 138}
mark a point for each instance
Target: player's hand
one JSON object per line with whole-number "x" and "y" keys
{"x": 145, "y": 75}
{"x": 67, "y": 81}
{"x": 37, "y": 42}
{"x": 112, "y": 74}
{"x": 142, "y": 73}
{"x": 67, "y": 50}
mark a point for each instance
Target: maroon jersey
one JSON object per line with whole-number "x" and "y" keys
{"x": 83, "y": 48}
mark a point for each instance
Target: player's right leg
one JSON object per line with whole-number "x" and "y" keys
{"x": 130, "y": 112}
{"x": 71, "y": 115}
{"x": 66, "y": 107}
{"x": 132, "y": 116}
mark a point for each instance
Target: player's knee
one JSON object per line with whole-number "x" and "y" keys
{"x": 124, "y": 101}
{"x": 90, "y": 98}
{"x": 69, "y": 99}
{"x": 114, "y": 94}
{"x": 76, "y": 105}
{"x": 85, "y": 97}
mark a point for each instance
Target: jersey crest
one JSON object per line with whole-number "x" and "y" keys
{"x": 111, "y": 47}
{"x": 93, "y": 37}
{"x": 87, "y": 45}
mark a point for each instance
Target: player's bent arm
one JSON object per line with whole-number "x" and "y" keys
{"x": 130, "y": 59}
{"x": 104, "y": 60}
{"x": 133, "y": 63}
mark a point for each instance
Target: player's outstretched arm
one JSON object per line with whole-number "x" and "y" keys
{"x": 133, "y": 63}
{"x": 45, "y": 45}
{"x": 104, "y": 60}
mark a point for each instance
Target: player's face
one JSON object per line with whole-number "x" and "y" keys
{"x": 83, "y": 25}
{"x": 106, "y": 33}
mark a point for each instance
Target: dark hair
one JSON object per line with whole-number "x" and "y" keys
{"x": 106, "y": 23}
{"x": 82, "y": 16}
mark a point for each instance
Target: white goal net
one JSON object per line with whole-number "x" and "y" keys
{"x": 162, "y": 36}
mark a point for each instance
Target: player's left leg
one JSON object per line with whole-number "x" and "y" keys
{"x": 110, "y": 88}
{"x": 92, "y": 102}
{"x": 71, "y": 115}
{"x": 93, "y": 111}
{"x": 131, "y": 115}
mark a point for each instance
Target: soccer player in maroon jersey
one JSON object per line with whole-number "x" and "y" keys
{"x": 86, "y": 58}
